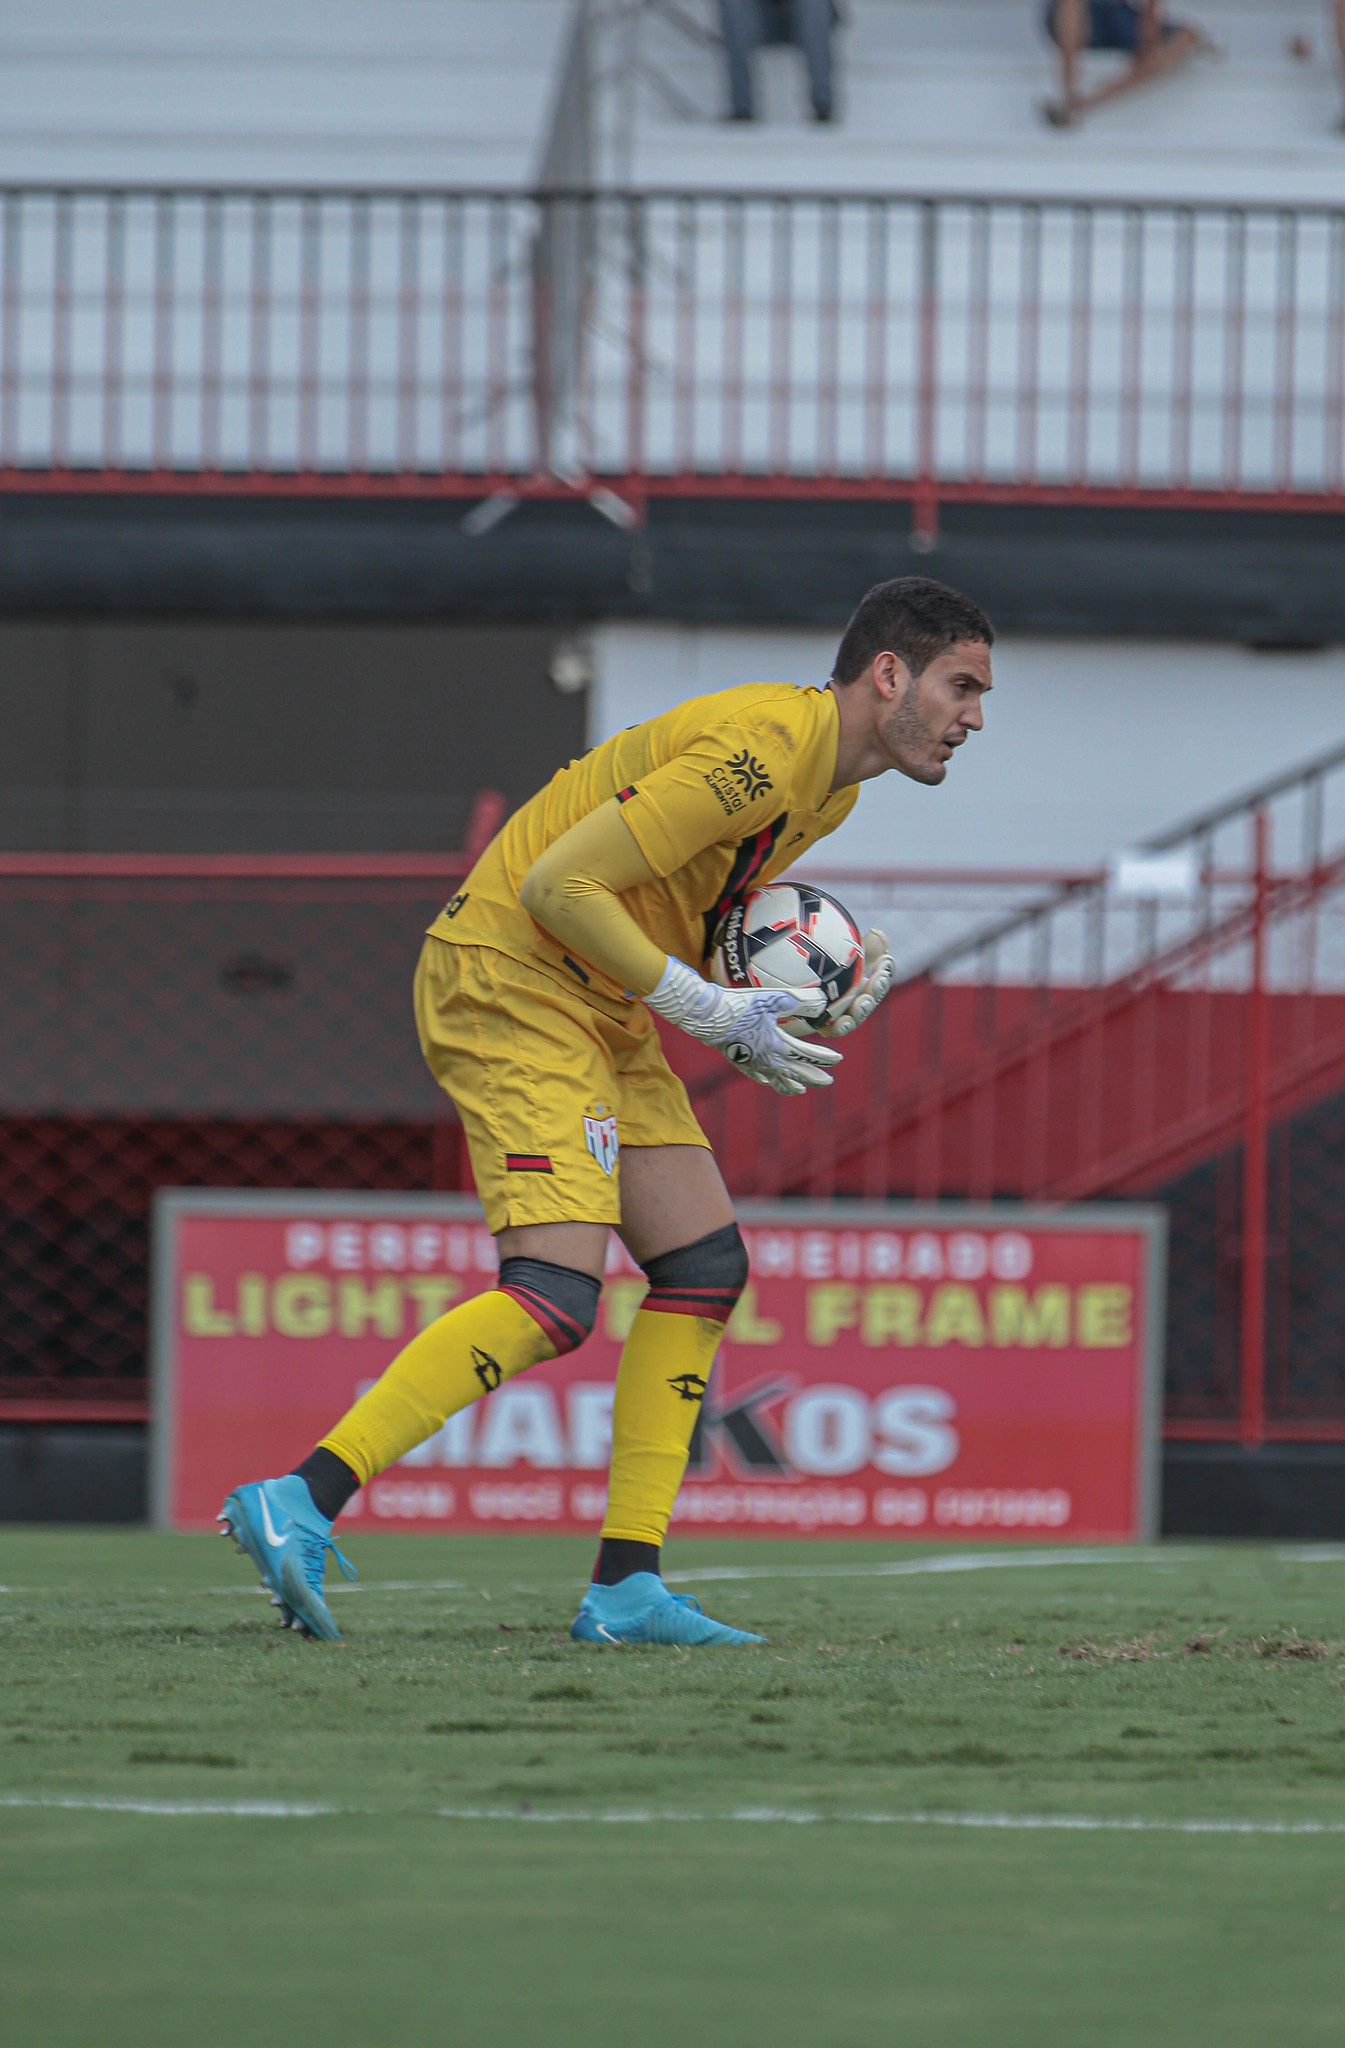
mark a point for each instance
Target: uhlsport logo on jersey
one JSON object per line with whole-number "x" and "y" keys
{"x": 601, "y": 1138}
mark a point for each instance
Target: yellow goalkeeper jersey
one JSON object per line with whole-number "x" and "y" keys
{"x": 722, "y": 793}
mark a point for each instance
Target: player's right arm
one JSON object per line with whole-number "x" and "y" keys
{"x": 574, "y": 889}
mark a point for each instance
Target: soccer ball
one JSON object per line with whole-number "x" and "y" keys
{"x": 792, "y": 936}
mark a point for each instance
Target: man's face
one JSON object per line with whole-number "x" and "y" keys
{"x": 932, "y": 713}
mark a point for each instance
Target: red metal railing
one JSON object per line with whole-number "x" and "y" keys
{"x": 479, "y": 343}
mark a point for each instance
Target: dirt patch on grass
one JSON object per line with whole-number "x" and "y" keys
{"x": 1280, "y": 1645}
{"x": 1137, "y": 1650}
{"x": 1291, "y": 1645}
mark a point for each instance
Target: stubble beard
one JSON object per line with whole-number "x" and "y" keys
{"x": 911, "y": 742}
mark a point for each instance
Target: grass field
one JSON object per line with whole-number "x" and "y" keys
{"x": 827, "y": 1840}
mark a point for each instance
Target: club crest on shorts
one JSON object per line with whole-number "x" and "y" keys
{"x": 600, "y": 1137}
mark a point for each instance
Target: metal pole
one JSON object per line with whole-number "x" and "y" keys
{"x": 1252, "y": 1376}
{"x": 924, "y": 534}
{"x": 635, "y": 333}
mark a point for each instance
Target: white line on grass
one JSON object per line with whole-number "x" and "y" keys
{"x": 946, "y": 1562}
{"x": 364, "y": 1586}
{"x": 1076, "y": 1823}
{"x": 401, "y": 1586}
{"x": 1031, "y": 1823}
{"x": 952, "y": 1561}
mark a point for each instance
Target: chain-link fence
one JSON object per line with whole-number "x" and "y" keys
{"x": 75, "y": 1198}
{"x": 226, "y": 1022}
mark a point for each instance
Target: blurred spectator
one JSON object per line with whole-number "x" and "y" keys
{"x": 1153, "y": 45}
{"x": 748, "y": 24}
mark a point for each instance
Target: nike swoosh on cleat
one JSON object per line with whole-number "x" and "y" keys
{"x": 607, "y": 1635}
{"x": 268, "y": 1525}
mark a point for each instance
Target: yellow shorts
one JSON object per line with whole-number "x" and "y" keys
{"x": 548, "y": 1088}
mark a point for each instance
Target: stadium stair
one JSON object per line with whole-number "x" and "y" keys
{"x": 1257, "y": 122}
{"x": 978, "y": 1079}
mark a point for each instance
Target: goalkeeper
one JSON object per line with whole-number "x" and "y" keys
{"x": 593, "y": 907}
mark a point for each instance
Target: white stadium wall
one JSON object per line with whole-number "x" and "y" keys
{"x": 1089, "y": 746}
{"x": 309, "y": 92}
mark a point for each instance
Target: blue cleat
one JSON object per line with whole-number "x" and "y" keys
{"x": 642, "y": 1610}
{"x": 274, "y": 1522}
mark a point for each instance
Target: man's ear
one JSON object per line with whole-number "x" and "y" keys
{"x": 890, "y": 675}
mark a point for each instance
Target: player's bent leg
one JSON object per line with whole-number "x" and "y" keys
{"x": 537, "y": 1310}
{"x": 661, "y": 1382}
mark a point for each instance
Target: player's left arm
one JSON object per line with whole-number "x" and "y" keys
{"x": 575, "y": 888}
{"x": 725, "y": 782}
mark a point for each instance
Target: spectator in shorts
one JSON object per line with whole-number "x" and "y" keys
{"x": 748, "y": 24}
{"x": 1153, "y": 45}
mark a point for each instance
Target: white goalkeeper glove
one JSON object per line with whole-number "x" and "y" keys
{"x": 743, "y": 1025}
{"x": 873, "y": 984}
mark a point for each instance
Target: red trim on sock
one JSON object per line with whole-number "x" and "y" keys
{"x": 558, "y": 1328}
{"x": 716, "y": 1304}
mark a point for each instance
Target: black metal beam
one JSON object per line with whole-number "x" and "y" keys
{"x": 1256, "y": 577}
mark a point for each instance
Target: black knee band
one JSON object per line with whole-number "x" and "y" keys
{"x": 562, "y": 1301}
{"x": 700, "y": 1279}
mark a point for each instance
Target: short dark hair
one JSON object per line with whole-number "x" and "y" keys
{"x": 911, "y": 616}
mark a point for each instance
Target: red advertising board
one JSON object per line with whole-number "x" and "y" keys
{"x": 890, "y": 1371}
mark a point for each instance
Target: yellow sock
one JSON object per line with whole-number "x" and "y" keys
{"x": 665, "y": 1365}
{"x": 463, "y": 1355}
